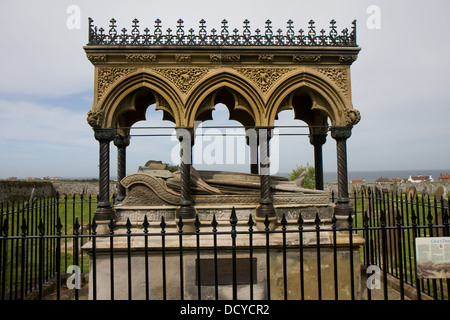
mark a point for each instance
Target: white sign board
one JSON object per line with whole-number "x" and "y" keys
{"x": 433, "y": 257}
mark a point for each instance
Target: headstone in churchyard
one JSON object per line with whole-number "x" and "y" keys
{"x": 411, "y": 193}
{"x": 425, "y": 190}
{"x": 441, "y": 192}
{"x": 394, "y": 189}
{"x": 377, "y": 191}
{"x": 354, "y": 189}
{"x": 364, "y": 190}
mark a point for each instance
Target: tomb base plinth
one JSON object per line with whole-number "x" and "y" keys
{"x": 170, "y": 263}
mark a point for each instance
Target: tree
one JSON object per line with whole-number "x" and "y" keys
{"x": 309, "y": 180}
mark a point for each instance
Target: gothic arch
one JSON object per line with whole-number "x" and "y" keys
{"x": 120, "y": 104}
{"x": 327, "y": 99}
{"x": 230, "y": 88}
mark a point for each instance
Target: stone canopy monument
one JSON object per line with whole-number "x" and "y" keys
{"x": 256, "y": 74}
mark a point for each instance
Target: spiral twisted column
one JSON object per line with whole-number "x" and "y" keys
{"x": 266, "y": 203}
{"x": 186, "y": 138}
{"x": 252, "y": 141}
{"x": 121, "y": 142}
{"x": 318, "y": 140}
{"x": 343, "y": 207}
{"x": 104, "y": 136}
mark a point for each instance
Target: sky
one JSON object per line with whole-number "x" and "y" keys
{"x": 399, "y": 83}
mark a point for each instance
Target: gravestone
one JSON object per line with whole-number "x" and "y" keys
{"x": 411, "y": 193}
{"x": 441, "y": 192}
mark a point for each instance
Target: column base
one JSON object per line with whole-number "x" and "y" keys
{"x": 186, "y": 212}
{"x": 342, "y": 210}
{"x": 104, "y": 212}
{"x": 265, "y": 210}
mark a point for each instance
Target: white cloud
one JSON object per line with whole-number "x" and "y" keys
{"x": 41, "y": 140}
{"x": 25, "y": 121}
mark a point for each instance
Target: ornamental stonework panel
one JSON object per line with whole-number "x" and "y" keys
{"x": 264, "y": 77}
{"x": 183, "y": 78}
{"x": 97, "y": 58}
{"x": 339, "y": 76}
{"x": 140, "y": 57}
{"x": 107, "y": 76}
{"x": 304, "y": 58}
{"x": 352, "y": 117}
{"x": 95, "y": 117}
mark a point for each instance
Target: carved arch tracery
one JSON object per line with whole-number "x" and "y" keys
{"x": 227, "y": 86}
{"x": 123, "y": 105}
{"x": 327, "y": 100}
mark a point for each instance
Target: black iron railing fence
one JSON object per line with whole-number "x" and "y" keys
{"x": 37, "y": 241}
{"x": 391, "y": 223}
{"x": 42, "y": 239}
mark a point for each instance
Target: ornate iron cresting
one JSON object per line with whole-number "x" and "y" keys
{"x": 223, "y": 37}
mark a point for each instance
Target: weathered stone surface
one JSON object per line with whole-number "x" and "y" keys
{"x": 259, "y": 252}
{"x": 156, "y": 172}
{"x": 155, "y": 165}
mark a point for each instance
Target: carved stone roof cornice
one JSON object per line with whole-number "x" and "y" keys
{"x": 102, "y": 56}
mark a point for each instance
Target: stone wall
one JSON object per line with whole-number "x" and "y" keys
{"x": 23, "y": 190}
{"x": 81, "y": 187}
{"x": 422, "y": 187}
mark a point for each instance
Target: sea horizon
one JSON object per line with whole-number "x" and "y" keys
{"x": 369, "y": 176}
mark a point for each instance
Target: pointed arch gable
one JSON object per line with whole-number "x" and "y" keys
{"x": 248, "y": 103}
{"x": 326, "y": 96}
{"x": 111, "y": 103}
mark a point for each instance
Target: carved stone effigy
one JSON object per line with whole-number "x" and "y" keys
{"x": 154, "y": 193}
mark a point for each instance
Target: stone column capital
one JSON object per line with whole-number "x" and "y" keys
{"x": 318, "y": 139}
{"x": 121, "y": 141}
{"x": 104, "y": 134}
{"x": 341, "y": 133}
